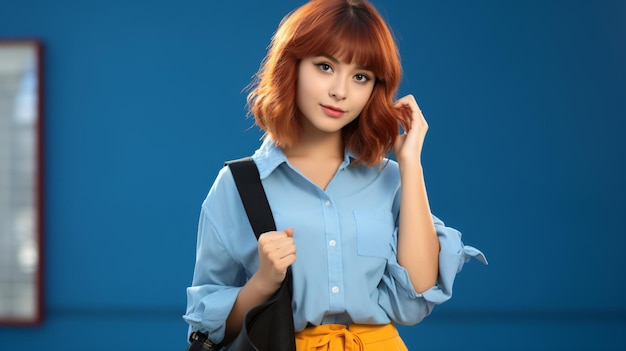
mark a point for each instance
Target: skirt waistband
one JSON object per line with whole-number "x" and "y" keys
{"x": 352, "y": 337}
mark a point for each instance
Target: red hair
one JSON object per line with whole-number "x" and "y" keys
{"x": 353, "y": 31}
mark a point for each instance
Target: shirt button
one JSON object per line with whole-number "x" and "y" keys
{"x": 327, "y": 203}
{"x": 335, "y": 289}
{"x": 332, "y": 243}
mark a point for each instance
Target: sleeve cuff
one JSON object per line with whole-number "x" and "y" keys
{"x": 452, "y": 256}
{"x": 210, "y": 314}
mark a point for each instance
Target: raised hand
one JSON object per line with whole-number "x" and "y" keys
{"x": 408, "y": 146}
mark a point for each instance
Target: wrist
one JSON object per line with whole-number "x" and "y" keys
{"x": 413, "y": 165}
{"x": 262, "y": 286}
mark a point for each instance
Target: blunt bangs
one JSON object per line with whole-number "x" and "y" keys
{"x": 351, "y": 33}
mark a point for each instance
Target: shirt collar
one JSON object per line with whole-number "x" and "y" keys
{"x": 269, "y": 156}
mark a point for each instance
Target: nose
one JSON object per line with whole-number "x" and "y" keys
{"x": 338, "y": 89}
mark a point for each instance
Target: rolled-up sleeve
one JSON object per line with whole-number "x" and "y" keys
{"x": 398, "y": 296}
{"x": 215, "y": 285}
{"x": 208, "y": 309}
{"x": 218, "y": 275}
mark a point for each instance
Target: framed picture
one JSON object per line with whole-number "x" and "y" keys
{"x": 21, "y": 182}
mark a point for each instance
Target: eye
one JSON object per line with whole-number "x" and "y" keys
{"x": 324, "y": 67}
{"x": 361, "y": 78}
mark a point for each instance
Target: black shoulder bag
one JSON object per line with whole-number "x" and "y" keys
{"x": 269, "y": 326}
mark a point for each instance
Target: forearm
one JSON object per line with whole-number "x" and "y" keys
{"x": 418, "y": 245}
{"x": 252, "y": 294}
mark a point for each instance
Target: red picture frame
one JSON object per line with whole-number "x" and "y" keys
{"x": 22, "y": 167}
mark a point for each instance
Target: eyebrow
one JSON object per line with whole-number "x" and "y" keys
{"x": 336, "y": 61}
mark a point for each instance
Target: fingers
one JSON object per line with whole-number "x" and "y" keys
{"x": 277, "y": 240}
{"x": 408, "y": 147}
{"x": 410, "y": 111}
{"x": 277, "y": 251}
{"x": 409, "y": 102}
{"x": 289, "y": 232}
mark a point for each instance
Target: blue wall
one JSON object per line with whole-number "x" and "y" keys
{"x": 525, "y": 155}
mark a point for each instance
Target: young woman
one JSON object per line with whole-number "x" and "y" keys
{"x": 355, "y": 227}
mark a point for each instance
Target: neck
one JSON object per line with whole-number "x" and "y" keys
{"x": 317, "y": 156}
{"x": 318, "y": 146}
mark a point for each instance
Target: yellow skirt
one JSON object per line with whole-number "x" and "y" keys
{"x": 356, "y": 337}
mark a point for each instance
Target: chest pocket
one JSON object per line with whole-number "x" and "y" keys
{"x": 374, "y": 231}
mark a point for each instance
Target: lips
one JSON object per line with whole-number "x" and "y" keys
{"x": 332, "y": 111}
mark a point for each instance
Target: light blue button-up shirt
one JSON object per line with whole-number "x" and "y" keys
{"x": 346, "y": 268}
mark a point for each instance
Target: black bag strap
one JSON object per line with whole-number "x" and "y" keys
{"x": 268, "y": 326}
{"x": 252, "y": 194}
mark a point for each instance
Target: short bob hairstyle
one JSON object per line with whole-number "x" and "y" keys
{"x": 353, "y": 31}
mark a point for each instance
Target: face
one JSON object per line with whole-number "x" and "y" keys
{"x": 331, "y": 93}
